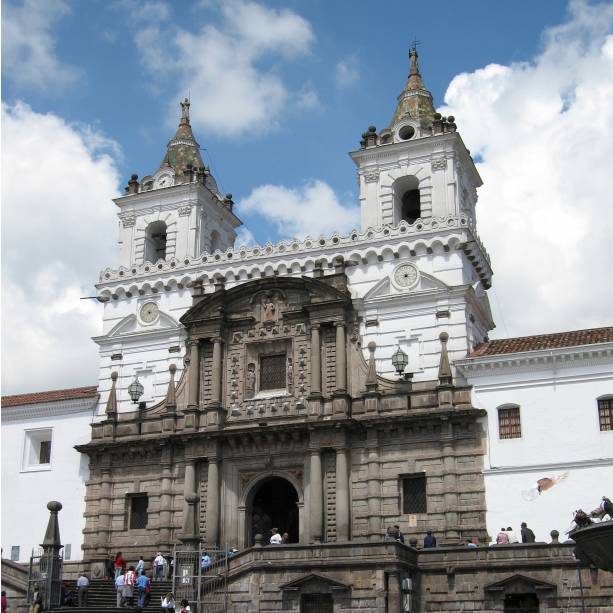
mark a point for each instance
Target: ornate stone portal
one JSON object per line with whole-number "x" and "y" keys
{"x": 280, "y": 422}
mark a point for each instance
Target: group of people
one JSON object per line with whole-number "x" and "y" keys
{"x": 393, "y": 534}
{"x": 169, "y": 605}
{"x": 119, "y": 564}
{"x": 277, "y": 538}
{"x": 507, "y": 536}
{"x": 130, "y": 583}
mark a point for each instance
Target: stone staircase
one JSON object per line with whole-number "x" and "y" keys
{"x": 102, "y": 596}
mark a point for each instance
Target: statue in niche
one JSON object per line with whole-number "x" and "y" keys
{"x": 290, "y": 375}
{"x": 250, "y": 381}
{"x": 269, "y": 309}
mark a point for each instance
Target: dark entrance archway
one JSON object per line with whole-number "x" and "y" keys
{"x": 274, "y": 504}
{"x": 521, "y": 603}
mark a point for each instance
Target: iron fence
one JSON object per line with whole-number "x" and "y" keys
{"x": 45, "y": 579}
{"x": 200, "y": 576}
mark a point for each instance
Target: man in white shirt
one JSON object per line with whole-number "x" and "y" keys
{"x": 276, "y": 538}
{"x": 158, "y": 565}
{"x": 119, "y": 587}
{"x": 82, "y": 587}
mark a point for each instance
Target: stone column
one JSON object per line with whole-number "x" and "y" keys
{"x": 194, "y": 372}
{"x": 315, "y": 360}
{"x": 104, "y": 513}
{"x": 342, "y": 496}
{"x": 374, "y": 487}
{"x": 189, "y": 483}
{"x": 341, "y": 358}
{"x": 212, "y": 503}
{"x": 217, "y": 371}
{"x": 450, "y": 497}
{"x": 165, "y": 506}
{"x": 394, "y": 593}
{"x": 316, "y": 492}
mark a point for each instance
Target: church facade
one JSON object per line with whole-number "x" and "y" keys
{"x": 254, "y": 388}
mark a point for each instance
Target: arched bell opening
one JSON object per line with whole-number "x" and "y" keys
{"x": 407, "y": 201}
{"x": 272, "y": 503}
{"x": 155, "y": 241}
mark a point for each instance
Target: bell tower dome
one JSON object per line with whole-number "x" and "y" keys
{"x": 418, "y": 167}
{"x": 177, "y": 211}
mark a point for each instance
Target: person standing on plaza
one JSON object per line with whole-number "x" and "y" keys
{"x": 142, "y": 583}
{"x": 276, "y": 538}
{"x": 429, "y": 540}
{"x": 502, "y": 538}
{"x": 82, "y": 587}
{"x": 512, "y": 536}
{"x": 527, "y": 536}
{"x": 158, "y": 566}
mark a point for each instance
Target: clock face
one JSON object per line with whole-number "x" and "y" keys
{"x": 406, "y": 275}
{"x": 149, "y": 312}
{"x": 164, "y": 181}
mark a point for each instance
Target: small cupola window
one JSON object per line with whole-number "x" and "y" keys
{"x": 155, "y": 241}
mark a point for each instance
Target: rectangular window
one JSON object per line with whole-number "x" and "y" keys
{"x": 15, "y": 553}
{"x": 414, "y": 494}
{"x": 509, "y": 423}
{"x": 605, "y": 413}
{"x": 37, "y": 449}
{"x": 67, "y": 551}
{"x": 272, "y": 372}
{"x": 138, "y": 511}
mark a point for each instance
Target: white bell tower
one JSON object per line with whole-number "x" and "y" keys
{"x": 177, "y": 212}
{"x": 418, "y": 168}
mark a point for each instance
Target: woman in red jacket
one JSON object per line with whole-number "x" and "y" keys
{"x": 120, "y": 564}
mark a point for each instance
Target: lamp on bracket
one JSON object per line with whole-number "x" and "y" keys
{"x": 135, "y": 390}
{"x": 400, "y": 360}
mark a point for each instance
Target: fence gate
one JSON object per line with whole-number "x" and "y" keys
{"x": 201, "y": 577}
{"x": 45, "y": 579}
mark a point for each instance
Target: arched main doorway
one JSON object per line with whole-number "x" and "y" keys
{"x": 273, "y": 504}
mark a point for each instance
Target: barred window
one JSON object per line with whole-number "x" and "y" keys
{"x": 44, "y": 453}
{"x": 509, "y": 422}
{"x": 605, "y": 413}
{"x": 139, "y": 515}
{"x": 414, "y": 494}
{"x": 272, "y": 372}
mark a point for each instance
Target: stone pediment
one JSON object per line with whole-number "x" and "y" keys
{"x": 385, "y": 289}
{"x": 519, "y": 584}
{"x": 286, "y": 294}
{"x": 130, "y": 325}
{"x": 315, "y": 583}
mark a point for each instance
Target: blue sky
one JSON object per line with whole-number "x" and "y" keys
{"x": 280, "y": 93}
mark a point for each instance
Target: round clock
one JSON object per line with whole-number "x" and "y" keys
{"x": 149, "y": 312}
{"x": 406, "y": 275}
{"x": 164, "y": 181}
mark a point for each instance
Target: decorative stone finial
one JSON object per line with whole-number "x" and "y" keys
{"x": 371, "y": 377}
{"x": 133, "y": 185}
{"x": 444, "y": 368}
{"x": 52, "y": 535}
{"x": 171, "y": 398}
{"x": 111, "y": 403}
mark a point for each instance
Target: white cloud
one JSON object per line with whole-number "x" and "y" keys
{"x": 347, "y": 72}
{"x": 307, "y": 98}
{"x": 226, "y": 67}
{"x": 57, "y": 233}
{"x": 28, "y": 45}
{"x": 544, "y": 130}
{"x": 311, "y": 209}
{"x": 244, "y": 236}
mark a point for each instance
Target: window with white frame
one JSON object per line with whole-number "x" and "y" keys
{"x": 37, "y": 449}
